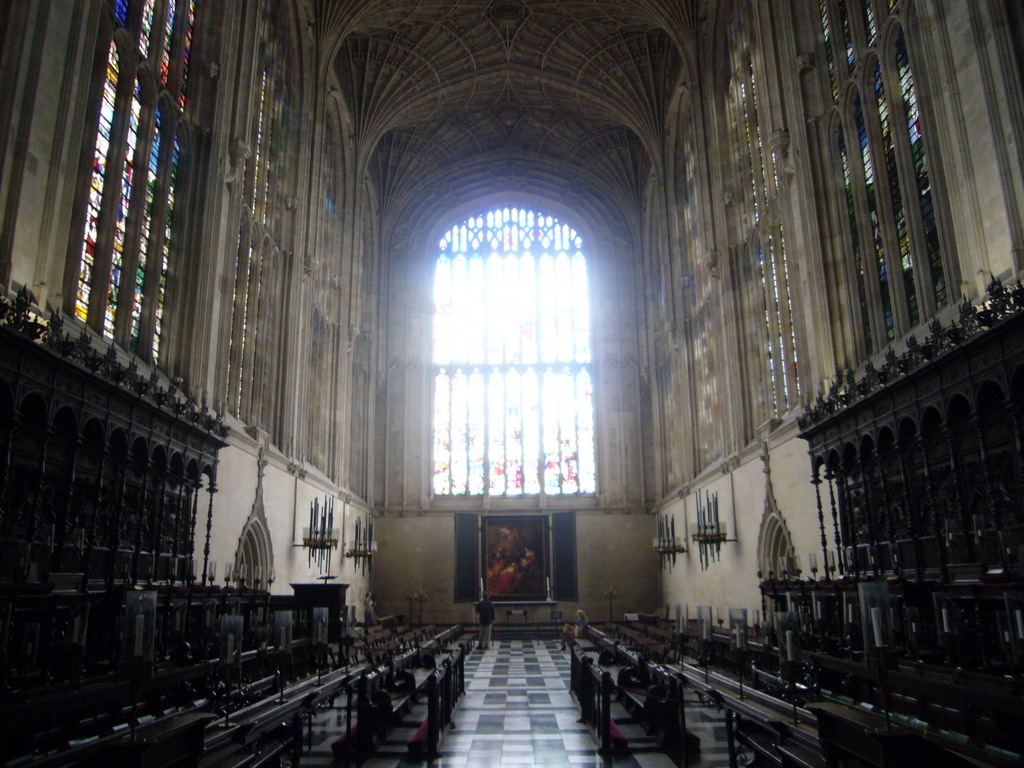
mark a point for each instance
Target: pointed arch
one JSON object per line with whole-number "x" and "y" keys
{"x": 774, "y": 541}
{"x": 254, "y": 558}
{"x": 513, "y": 384}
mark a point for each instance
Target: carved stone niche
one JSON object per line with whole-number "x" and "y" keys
{"x": 778, "y": 145}
{"x": 711, "y": 264}
{"x": 238, "y": 155}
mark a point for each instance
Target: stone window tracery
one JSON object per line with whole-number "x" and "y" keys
{"x": 259, "y": 285}
{"x": 513, "y": 388}
{"x": 882, "y": 171}
{"x": 771, "y": 333}
{"x": 121, "y": 271}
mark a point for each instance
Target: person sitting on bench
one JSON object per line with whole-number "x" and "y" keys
{"x": 577, "y": 630}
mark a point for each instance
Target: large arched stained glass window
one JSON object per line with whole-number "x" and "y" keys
{"x": 513, "y": 389}
{"x": 881, "y": 170}
{"x": 120, "y": 275}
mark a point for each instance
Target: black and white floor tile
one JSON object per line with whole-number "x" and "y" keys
{"x": 517, "y": 713}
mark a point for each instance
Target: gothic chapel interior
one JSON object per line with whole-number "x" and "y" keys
{"x": 696, "y": 315}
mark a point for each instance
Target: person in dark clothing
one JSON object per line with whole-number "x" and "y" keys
{"x": 486, "y": 610}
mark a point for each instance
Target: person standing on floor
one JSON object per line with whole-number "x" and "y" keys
{"x": 368, "y": 606}
{"x": 486, "y": 610}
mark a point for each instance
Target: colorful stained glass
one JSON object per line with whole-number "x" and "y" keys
{"x": 124, "y": 201}
{"x": 513, "y": 422}
{"x": 99, "y": 175}
{"x": 531, "y": 431}
{"x": 844, "y": 20}
{"x": 826, "y": 30}
{"x": 147, "y": 215}
{"x": 890, "y": 188}
{"x": 587, "y": 463}
{"x": 899, "y": 215}
{"x": 510, "y": 287}
{"x": 186, "y": 56}
{"x": 497, "y": 457}
{"x": 144, "y": 154}
{"x": 165, "y": 54}
{"x": 769, "y": 276}
{"x": 166, "y": 255}
{"x": 920, "y": 161}
{"x": 876, "y": 228}
{"x": 784, "y": 261}
{"x": 851, "y": 212}
{"x": 869, "y": 21}
{"x": 146, "y": 29}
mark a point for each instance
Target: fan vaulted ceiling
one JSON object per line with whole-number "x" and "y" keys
{"x": 449, "y": 100}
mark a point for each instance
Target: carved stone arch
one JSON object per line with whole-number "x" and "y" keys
{"x": 866, "y": 76}
{"x": 774, "y": 541}
{"x": 255, "y": 549}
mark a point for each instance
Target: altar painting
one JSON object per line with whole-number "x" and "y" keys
{"x": 515, "y": 558}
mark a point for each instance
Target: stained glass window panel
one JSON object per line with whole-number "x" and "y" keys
{"x": 477, "y": 418}
{"x": 548, "y": 327}
{"x": 531, "y": 431}
{"x": 442, "y": 311}
{"x": 146, "y": 30}
{"x": 581, "y": 318}
{"x": 442, "y": 433}
{"x": 166, "y": 255}
{"x": 585, "y": 428}
{"x": 511, "y": 288}
{"x": 165, "y": 55}
{"x": 567, "y": 433}
{"x": 876, "y": 228}
{"x": 550, "y": 406}
{"x": 498, "y": 467}
{"x": 187, "y": 53}
{"x": 514, "y": 433}
{"x": 528, "y": 308}
{"x": 459, "y": 434}
{"x": 495, "y": 308}
{"x": 920, "y": 162}
{"x": 99, "y": 175}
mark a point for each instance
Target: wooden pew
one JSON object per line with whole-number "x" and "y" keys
{"x": 385, "y": 691}
{"x": 653, "y": 692}
{"x": 847, "y": 732}
{"x": 770, "y": 726}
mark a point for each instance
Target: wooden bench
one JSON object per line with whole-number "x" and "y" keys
{"x": 417, "y": 745}
{"x": 651, "y": 691}
{"x": 389, "y": 689}
{"x": 761, "y": 721}
{"x": 444, "y": 686}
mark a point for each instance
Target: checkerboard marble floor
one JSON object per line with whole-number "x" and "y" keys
{"x": 517, "y": 713}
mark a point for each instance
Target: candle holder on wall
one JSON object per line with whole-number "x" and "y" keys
{"x": 710, "y": 533}
{"x": 666, "y": 544}
{"x": 320, "y": 537}
{"x": 364, "y": 546}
